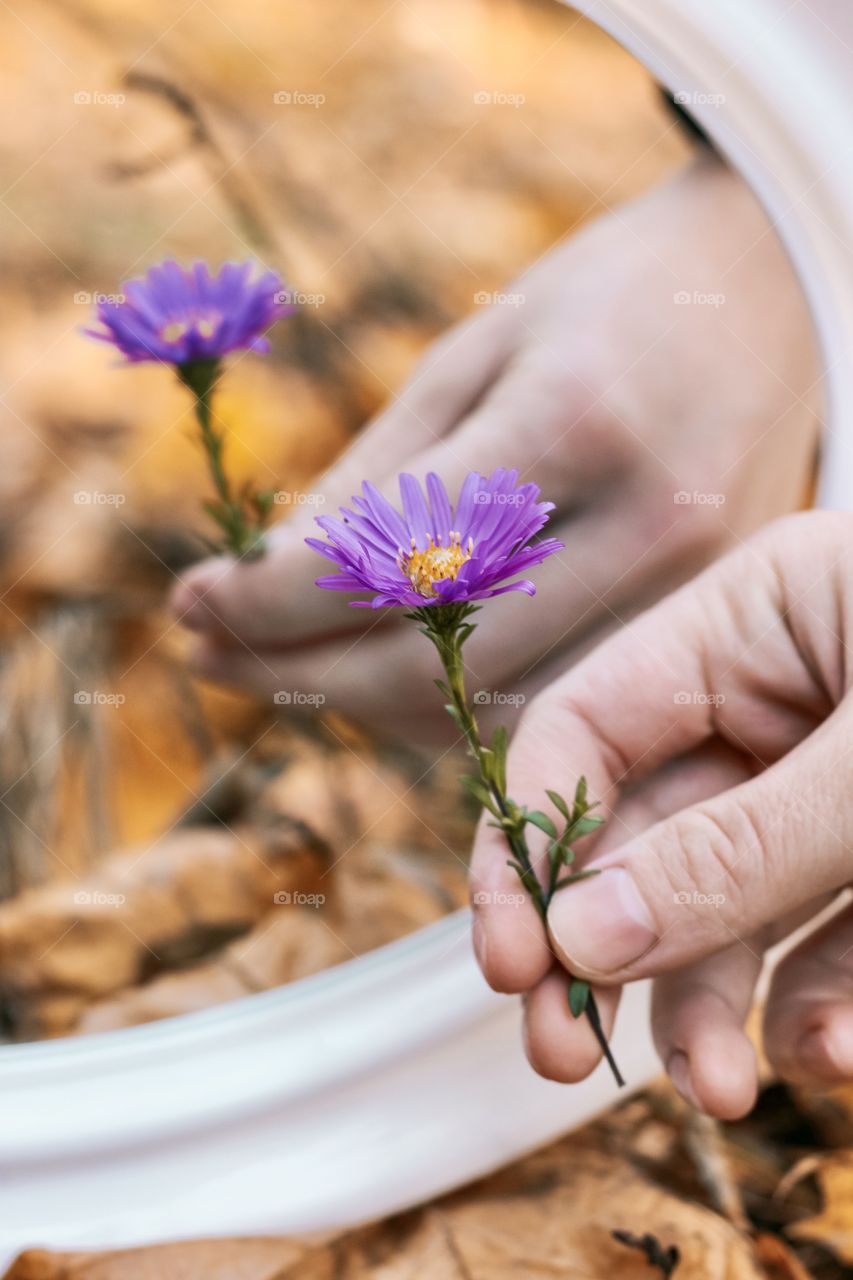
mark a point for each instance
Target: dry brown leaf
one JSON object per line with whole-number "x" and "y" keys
{"x": 550, "y": 1216}
{"x": 285, "y": 945}
{"x": 778, "y": 1259}
{"x": 357, "y": 798}
{"x": 261, "y": 1259}
{"x": 830, "y": 1111}
{"x": 559, "y": 1217}
{"x": 191, "y": 921}
{"x": 383, "y": 895}
{"x": 833, "y": 1226}
{"x": 378, "y": 897}
{"x": 66, "y": 945}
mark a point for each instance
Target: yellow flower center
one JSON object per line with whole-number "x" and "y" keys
{"x": 205, "y": 325}
{"x": 174, "y": 331}
{"x": 435, "y": 564}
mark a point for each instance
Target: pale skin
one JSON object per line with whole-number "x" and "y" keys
{"x": 717, "y": 730}
{"x": 611, "y": 396}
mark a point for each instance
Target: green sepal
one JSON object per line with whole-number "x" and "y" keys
{"x": 199, "y": 375}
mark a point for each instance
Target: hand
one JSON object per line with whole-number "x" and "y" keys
{"x": 609, "y": 393}
{"x": 717, "y": 730}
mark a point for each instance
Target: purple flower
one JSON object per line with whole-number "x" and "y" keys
{"x": 433, "y": 554}
{"x": 178, "y": 316}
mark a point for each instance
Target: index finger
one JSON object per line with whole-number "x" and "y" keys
{"x": 645, "y": 696}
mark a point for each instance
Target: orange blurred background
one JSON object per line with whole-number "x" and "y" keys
{"x": 374, "y": 156}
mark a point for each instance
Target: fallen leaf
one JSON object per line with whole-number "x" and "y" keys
{"x": 70, "y": 944}
{"x": 551, "y": 1215}
{"x": 260, "y": 1259}
{"x": 833, "y": 1226}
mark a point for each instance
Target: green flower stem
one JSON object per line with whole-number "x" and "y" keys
{"x": 213, "y": 445}
{"x": 447, "y": 626}
{"x": 510, "y": 818}
{"x": 240, "y": 517}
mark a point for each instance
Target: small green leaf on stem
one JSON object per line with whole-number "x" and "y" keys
{"x": 498, "y": 745}
{"x": 263, "y": 501}
{"x": 487, "y": 764}
{"x": 578, "y": 996}
{"x": 584, "y": 826}
{"x": 455, "y": 716}
{"x": 574, "y": 877}
{"x": 543, "y": 822}
{"x": 480, "y": 792}
{"x": 558, "y": 802}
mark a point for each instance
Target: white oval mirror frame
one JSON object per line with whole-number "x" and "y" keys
{"x": 399, "y": 1075}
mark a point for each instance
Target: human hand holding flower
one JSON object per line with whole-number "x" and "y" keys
{"x": 601, "y": 389}
{"x": 717, "y": 732}
{"x": 440, "y": 561}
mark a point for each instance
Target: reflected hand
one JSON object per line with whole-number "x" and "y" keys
{"x": 717, "y": 730}
{"x": 617, "y": 397}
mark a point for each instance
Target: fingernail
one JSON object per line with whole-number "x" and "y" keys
{"x": 601, "y": 924}
{"x": 480, "y": 941}
{"x": 678, "y": 1070}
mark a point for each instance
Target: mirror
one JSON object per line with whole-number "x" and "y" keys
{"x": 170, "y": 845}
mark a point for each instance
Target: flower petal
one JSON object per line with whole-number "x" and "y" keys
{"x": 498, "y": 515}
{"x": 442, "y": 512}
{"x": 416, "y": 511}
{"x": 176, "y": 315}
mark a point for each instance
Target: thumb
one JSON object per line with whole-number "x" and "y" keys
{"x": 716, "y": 873}
{"x": 258, "y": 601}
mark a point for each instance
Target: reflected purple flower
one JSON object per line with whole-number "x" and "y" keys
{"x": 179, "y": 315}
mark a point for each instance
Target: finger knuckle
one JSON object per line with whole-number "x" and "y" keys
{"x": 711, "y": 849}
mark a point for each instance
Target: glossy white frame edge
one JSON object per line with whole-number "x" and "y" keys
{"x": 333, "y": 1100}
{"x": 399, "y": 1075}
